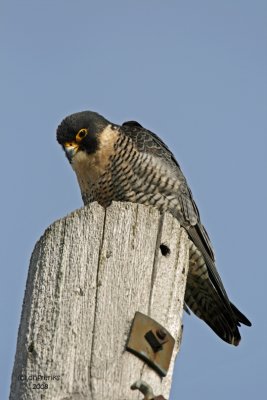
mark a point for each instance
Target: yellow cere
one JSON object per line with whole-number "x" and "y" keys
{"x": 70, "y": 144}
{"x": 81, "y": 134}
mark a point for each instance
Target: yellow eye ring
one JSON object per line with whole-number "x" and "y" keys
{"x": 81, "y": 134}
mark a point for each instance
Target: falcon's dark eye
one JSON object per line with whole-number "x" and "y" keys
{"x": 81, "y": 134}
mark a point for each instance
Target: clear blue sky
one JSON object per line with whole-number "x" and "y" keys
{"x": 195, "y": 72}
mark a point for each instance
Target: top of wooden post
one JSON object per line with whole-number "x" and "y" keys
{"x": 89, "y": 273}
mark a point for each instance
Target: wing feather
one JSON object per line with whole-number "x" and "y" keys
{"x": 148, "y": 142}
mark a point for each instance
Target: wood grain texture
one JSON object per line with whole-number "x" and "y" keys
{"x": 89, "y": 273}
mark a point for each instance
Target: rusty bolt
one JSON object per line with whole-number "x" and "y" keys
{"x": 161, "y": 333}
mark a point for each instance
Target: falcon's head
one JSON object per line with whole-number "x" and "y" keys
{"x": 80, "y": 132}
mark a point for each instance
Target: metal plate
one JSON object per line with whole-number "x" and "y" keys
{"x": 151, "y": 342}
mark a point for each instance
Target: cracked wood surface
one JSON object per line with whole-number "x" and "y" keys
{"x": 89, "y": 273}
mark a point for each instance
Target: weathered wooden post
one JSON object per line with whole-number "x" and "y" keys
{"x": 89, "y": 274}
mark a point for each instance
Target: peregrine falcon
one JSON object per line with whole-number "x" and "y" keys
{"x": 130, "y": 163}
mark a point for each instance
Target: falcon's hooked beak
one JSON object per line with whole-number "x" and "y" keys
{"x": 71, "y": 149}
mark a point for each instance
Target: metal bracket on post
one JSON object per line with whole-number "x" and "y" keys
{"x": 147, "y": 390}
{"x": 151, "y": 342}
